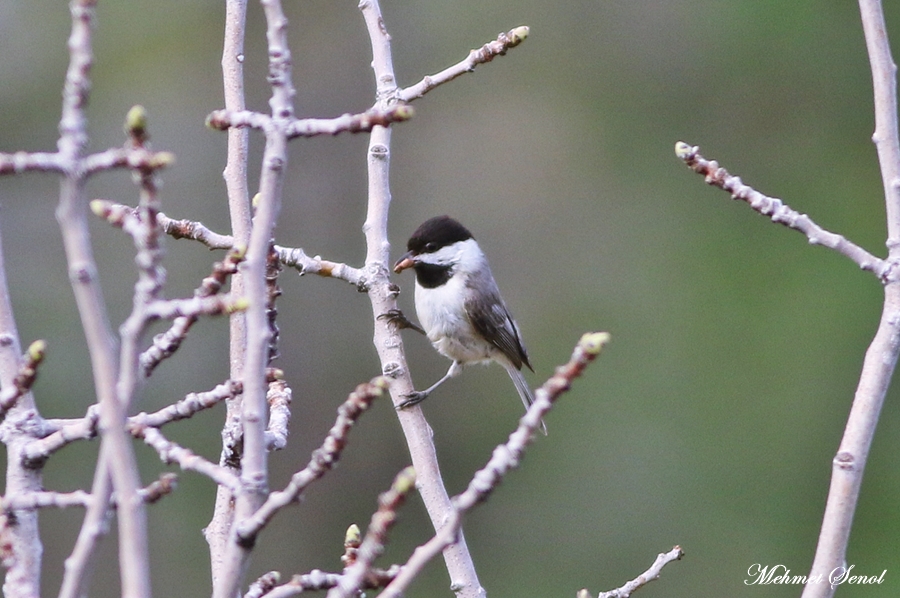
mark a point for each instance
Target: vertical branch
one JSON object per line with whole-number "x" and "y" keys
{"x": 72, "y": 216}
{"x": 254, "y": 476}
{"x": 884, "y": 86}
{"x": 881, "y": 357}
{"x": 23, "y": 578}
{"x": 382, "y": 294}
{"x": 235, "y": 176}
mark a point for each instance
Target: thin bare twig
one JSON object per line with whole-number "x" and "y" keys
{"x": 296, "y": 258}
{"x": 165, "y": 344}
{"x": 72, "y": 217}
{"x": 62, "y": 500}
{"x": 505, "y": 457}
{"x": 21, "y": 162}
{"x": 24, "y": 378}
{"x": 38, "y": 450}
{"x": 482, "y": 55}
{"x": 188, "y": 229}
{"x": 323, "y": 459}
{"x": 316, "y": 581}
{"x": 194, "y": 307}
{"x": 189, "y": 405}
{"x": 376, "y": 537}
{"x": 85, "y": 428}
{"x": 651, "y": 574}
{"x": 292, "y": 257}
{"x": 312, "y": 127}
{"x": 172, "y": 453}
{"x": 777, "y": 210}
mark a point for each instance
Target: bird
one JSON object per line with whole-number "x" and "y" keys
{"x": 459, "y": 305}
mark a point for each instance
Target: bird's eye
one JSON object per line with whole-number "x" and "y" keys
{"x": 429, "y": 247}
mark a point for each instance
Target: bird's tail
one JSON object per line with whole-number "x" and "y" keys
{"x": 524, "y": 391}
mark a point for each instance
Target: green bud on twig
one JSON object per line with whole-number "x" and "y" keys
{"x": 162, "y": 160}
{"x": 239, "y": 251}
{"x": 405, "y": 480}
{"x": 518, "y": 35}
{"x": 99, "y": 207}
{"x": 683, "y": 150}
{"x": 237, "y": 305}
{"x": 592, "y": 342}
{"x": 353, "y": 537}
{"x": 136, "y": 123}
{"x": 36, "y": 351}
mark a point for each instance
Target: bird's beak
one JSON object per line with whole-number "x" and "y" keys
{"x": 405, "y": 261}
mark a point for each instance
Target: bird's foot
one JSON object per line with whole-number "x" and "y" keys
{"x": 396, "y": 317}
{"x": 413, "y": 398}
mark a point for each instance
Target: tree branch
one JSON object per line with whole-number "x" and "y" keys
{"x": 881, "y": 357}
{"x": 165, "y": 344}
{"x": 482, "y": 55}
{"x": 372, "y": 546}
{"x": 63, "y": 500}
{"x": 323, "y": 459}
{"x": 254, "y": 473}
{"x": 21, "y": 162}
{"x": 505, "y": 457}
{"x": 235, "y": 175}
{"x": 777, "y": 210}
{"x": 382, "y": 294}
{"x": 22, "y": 545}
{"x": 312, "y": 127}
{"x": 24, "y": 377}
{"x": 651, "y": 574}
{"x": 72, "y": 217}
{"x": 172, "y": 453}
{"x": 85, "y": 428}
{"x": 292, "y": 257}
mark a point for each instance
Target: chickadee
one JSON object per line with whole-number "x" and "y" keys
{"x": 459, "y": 305}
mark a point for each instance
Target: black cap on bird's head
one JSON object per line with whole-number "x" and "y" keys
{"x": 432, "y": 235}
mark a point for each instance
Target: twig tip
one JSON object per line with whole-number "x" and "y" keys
{"x": 518, "y": 35}
{"x": 403, "y": 112}
{"x": 36, "y": 351}
{"x": 162, "y": 160}
{"x": 684, "y": 150}
{"x": 380, "y": 384}
{"x": 99, "y": 207}
{"x": 593, "y": 342}
{"x": 239, "y": 251}
{"x": 353, "y": 537}
{"x": 405, "y": 480}
{"x": 136, "y": 123}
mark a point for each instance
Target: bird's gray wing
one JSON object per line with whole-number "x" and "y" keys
{"x": 491, "y": 318}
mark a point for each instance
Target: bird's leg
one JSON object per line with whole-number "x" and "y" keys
{"x": 417, "y": 396}
{"x": 398, "y": 319}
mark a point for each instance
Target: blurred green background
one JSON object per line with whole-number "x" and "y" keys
{"x": 712, "y": 419}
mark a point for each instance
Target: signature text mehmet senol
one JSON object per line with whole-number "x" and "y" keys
{"x": 763, "y": 575}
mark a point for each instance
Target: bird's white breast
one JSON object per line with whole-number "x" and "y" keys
{"x": 442, "y": 311}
